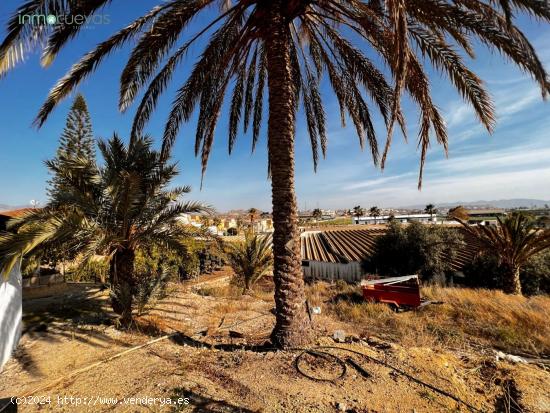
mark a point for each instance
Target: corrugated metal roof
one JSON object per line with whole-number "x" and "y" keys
{"x": 339, "y": 246}
{"x": 342, "y": 246}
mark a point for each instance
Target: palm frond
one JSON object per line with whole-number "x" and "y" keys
{"x": 80, "y": 70}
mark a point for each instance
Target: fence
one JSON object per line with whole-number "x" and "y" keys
{"x": 328, "y": 271}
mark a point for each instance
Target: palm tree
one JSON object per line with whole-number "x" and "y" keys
{"x": 251, "y": 259}
{"x": 284, "y": 47}
{"x": 375, "y": 212}
{"x": 112, "y": 211}
{"x": 430, "y": 209}
{"x": 358, "y": 211}
{"x": 514, "y": 240}
{"x": 253, "y": 214}
{"x": 317, "y": 213}
{"x": 239, "y": 224}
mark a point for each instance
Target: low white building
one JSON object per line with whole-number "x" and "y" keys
{"x": 384, "y": 219}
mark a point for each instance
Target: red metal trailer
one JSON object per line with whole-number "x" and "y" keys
{"x": 399, "y": 292}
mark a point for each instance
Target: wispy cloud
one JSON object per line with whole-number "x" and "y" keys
{"x": 375, "y": 182}
{"x": 520, "y": 184}
{"x": 509, "y": 159}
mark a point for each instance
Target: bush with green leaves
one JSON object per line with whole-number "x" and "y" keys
{"x": 90, "y": 271}
{"x": 415, "y": 248}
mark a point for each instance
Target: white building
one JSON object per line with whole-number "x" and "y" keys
{"x": 384, "y": 219}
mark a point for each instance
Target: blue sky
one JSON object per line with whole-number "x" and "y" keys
{"x": 512, "y": 163}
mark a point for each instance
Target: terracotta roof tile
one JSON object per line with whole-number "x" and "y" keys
{"x": 16, "y": 213}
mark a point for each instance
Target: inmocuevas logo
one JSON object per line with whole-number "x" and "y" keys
{"x": 64, "y": 19}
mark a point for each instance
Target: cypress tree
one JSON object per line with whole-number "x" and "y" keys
{"x": 76, "y": 142}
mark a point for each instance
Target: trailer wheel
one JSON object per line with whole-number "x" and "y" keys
{"x": 394, "y": 307}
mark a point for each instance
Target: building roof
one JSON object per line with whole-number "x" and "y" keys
{"x": 16, "y": 213}
{"x": 339, "y": 246}
{"x": 343, "y": 246}
{"x": 485, "y": 211}
{"x": 406, "y": 216}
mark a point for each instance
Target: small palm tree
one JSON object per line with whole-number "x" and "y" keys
{"x": 239, "y": 224}
{"x": 375, "y": 212}
{"x": 358, "y": 211}
{"x": 430, "y": 209}
{"x": 317, "y": 213}
{"x": 253, "y": 214}
{"x": 112, "y": 211}
{"x": 251, "y": 259}
{"x": 514, "y": 240}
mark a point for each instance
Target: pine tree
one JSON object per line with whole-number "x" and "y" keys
{"x": 76, "y": 142}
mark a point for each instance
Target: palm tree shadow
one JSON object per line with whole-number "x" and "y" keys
{"x": 204, "y": 404}
{"x": 182, "y": 339}
{"x": 27, "y": 361}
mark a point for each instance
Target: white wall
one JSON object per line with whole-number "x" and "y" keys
{"x": 11, "y": 311}
{"x": 329, "y": 271}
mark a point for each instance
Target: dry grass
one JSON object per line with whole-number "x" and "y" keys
{"x": 467, "y": 317}
{"x": 227, "y": 291}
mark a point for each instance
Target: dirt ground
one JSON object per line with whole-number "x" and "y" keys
{"x": 214, "y": 362}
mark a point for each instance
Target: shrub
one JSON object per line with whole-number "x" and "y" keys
{"x": 485, "y": 271}
{"x": 416, "y": 248}
{"x": 90, "y": 270}
{"x": 535, "y": 277}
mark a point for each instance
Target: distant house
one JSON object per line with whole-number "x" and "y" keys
{"x": 384, "y": 219}
{"x": 485, "y": 216}
{"x": 486, "y": 213}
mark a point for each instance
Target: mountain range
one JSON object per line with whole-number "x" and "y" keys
{"x": 500, "y": 203}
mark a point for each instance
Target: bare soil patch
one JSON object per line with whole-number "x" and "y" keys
{"x": 218, "y": 364}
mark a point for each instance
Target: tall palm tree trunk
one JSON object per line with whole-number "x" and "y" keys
{"x": 121, "y": 273}
{"x": 291, "y": 322}
{"x": 512, "y": 284}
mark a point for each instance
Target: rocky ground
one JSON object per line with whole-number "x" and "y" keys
{"x": 213, "y": 361}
